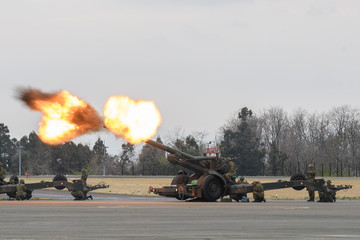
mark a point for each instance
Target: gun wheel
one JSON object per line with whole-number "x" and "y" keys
{"x": 212, "y": 188}
{"x": 298, "y": 176}
{"x": 59, "y": 177}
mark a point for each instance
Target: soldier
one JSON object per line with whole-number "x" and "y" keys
{"x": 258, "y": 192}
{"x": 21, "y": 190}
{"x": 242, "y": 181}
{"x": 2, "y": 174}
{"x": 329, "y": 195}
{"x": 84, "y": 176}
{"x": 232, "y": 171}
{"x": 310, "y": 176}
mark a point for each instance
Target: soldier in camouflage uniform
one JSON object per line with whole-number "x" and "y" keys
{"x": 329, "y": 195}
{"x": 242, "y": 181}
{"x": 21, "y": 190}
{"x": 84, "y": 176}
{"x": 310, "y": 176}
{"x": 2, "y": 174}
{"x": 258, "y": 192}
{"x": 80, "y": 195}
{"x": 232, "y": 171}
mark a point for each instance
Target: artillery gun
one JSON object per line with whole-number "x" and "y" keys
{"x": 207, "y": 182}
{"x": 77, "y": 188}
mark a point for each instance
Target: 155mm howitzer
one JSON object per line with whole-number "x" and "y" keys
{"x": 208, "y": 182}
{"x": 77, "y": 188}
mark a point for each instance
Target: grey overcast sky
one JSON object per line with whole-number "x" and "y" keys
{"x": 199, "y": 61}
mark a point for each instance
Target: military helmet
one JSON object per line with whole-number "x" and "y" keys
{"x": 328, "y": 181}
{"x": 311, "y": 165}
{"x": 22, "y": 181}
{"x": 228, "y": 158}
{"x": 242, "y": 178}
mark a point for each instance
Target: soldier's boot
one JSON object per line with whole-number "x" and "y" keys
{"x": 311, "y": 200}
{"x": 334, "y": 199}
{"x": 90, "y": 197}
{"x": 264, "y": 200}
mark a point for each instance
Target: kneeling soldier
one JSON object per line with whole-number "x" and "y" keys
{"x": 258, "y": 192}
{"x": 21, "y": 190}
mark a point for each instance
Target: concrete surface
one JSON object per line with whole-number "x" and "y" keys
{"x": 126, "y": 217}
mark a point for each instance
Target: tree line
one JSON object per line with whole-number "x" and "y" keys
{"x": 271, "y": 142}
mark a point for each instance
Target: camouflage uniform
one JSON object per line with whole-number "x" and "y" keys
{"x": 21, "y": 190}
{"x": 258, "y": 192}
{"x": 2, "y": 174}
{"x": 310, "y": 175}
{"x": 84, "y": 176}
{"x": 232, "y": 171}
{"x": 329, "y": 195}
{"x": 242, "y": 181}
{"x": 78, "y": 195}
{"x": 81, "y": 195}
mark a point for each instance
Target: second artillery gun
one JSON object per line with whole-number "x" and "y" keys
{"x": 208, "y": 183}
{"x": 77, "y": 187}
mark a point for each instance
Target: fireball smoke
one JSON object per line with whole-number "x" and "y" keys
{"x": 64, "y": 116}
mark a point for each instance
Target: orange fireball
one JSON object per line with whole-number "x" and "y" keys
{"x": 64, "y": 116}
{"x": 135, "y": 121}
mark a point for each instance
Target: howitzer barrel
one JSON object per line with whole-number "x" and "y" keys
{"x": 169, "y": 149}
{"x": 178, "y": 152}
{"x": 197, "y": 164}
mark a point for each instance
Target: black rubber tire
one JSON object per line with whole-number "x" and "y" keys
{"x": 15, "y": 178}
{"x": 212, "y": 188}
{"x": 298, "y": 176}
{"x": 59, "y": 177}
{"x": 180, "y": 179}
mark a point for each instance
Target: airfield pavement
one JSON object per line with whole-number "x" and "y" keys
{"x": 54, "y": 215}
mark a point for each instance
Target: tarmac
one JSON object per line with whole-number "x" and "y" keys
{"x": 54, "y": 215}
